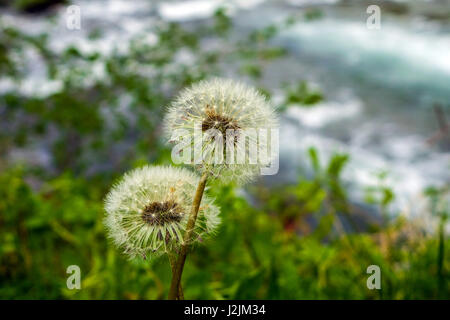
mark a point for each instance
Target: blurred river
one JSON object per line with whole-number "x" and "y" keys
{"x": 379, "y": 85}
{"x": 380, "y": 89}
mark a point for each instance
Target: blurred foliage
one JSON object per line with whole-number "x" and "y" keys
{"x": 254, "y": 255}
{"x": 300, "y": 241}
{"x": 31, "y": 6}
{"x": 303, "y": 95}
{"x": 313, "y": 14}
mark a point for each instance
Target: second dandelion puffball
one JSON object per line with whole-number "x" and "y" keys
{"x": 148, "y": 209}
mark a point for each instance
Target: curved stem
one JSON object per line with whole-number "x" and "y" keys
{"x": 179, "y": 264}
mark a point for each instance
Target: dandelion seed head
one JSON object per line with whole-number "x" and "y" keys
{"x": 224, "y": 106}
{"x": 148, "y": 209}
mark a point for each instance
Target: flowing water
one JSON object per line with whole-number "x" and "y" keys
{"x": 380, "y": 86}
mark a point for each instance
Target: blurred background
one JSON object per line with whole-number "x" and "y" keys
{"x": 365, "y": 144}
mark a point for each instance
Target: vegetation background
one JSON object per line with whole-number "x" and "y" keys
{"x": 304, "y": 240}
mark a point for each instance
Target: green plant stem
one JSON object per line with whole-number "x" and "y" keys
{"x": 172, "y": 261}
{"x": 179, "y": 264}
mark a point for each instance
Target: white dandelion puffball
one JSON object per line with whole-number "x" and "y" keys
{"x": 148, "y": 209}
{"x": 217, "y": 126}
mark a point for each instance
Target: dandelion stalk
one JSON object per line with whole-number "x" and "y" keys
{"x": 179, "y": 264}
{"x": 172, "y": 260}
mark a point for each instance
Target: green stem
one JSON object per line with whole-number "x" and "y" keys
{"x": 172, "y": 261}
{"x": 179, "y": 264}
